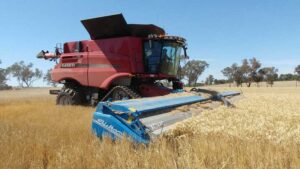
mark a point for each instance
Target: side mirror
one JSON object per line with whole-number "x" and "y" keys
{"x": 185, "y": 53}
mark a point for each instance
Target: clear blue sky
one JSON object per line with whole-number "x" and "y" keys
{"x": 218, "y": 31}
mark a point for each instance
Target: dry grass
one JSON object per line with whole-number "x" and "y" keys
{"x": 262, "y": 132}
{"x": 264, "y": 84}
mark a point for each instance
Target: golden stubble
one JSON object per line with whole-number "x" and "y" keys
{"x": 263, "y": 131}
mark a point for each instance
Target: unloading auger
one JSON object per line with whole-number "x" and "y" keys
{"x": 144, "y": 119}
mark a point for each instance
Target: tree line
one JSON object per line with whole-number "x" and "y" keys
{"x": 25, "y": 74}
{"x": 248, "y": 72}
{"x": 251, "y": 71}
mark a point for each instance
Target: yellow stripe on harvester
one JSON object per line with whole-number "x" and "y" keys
{"x": 130, "y": 118}
{"x": 132, "y": 109}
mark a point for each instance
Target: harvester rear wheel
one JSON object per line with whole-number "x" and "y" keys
{"x": 124, "y": 92}
{"x": 121, "y": 93}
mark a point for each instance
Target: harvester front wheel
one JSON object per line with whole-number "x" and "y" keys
{"x": 68, "y": 97}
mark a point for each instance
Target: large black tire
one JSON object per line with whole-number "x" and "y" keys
{"x": 177, "y": 85}
{"x": 159, "y": 84}
{"x": 119, "y": 94}
{"x": 123, "y": 92}
{"x": 69, "y": 96}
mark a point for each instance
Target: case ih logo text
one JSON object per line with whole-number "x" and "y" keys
{"x": 68, "y": 65}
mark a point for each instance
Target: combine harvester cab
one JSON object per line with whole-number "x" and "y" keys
{"x": 142, "y": 120}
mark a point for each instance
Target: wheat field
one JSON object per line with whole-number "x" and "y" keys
{"x": 263, "y": 132}
{"x": 291, "y": 83}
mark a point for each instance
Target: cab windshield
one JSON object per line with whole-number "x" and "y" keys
{"x": 162, "y": 56}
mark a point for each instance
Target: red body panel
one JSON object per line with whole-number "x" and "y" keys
{"x": 79, "y": 74}
{"x": 147, "y": 90}
{"x": 96, "y": 63}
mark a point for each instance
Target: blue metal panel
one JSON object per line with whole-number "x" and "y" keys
{"x": 156, "y": 103}
{"x": 105, "y": 124}
{"x": 229, "y": 93}
{"x": 224, "y": 94}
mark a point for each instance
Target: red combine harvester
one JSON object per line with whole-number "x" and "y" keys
{"x": 121, "y": 61}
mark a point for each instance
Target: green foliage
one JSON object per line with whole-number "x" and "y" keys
{"x": 234, "y": 74}
{"x": 238, "y": 74}
{"x": 209, "y": 80}
{"x": 3, "y": 74}
{"x": 220, "y": 81}
{"x": 25, "y": 74}
{"x": 269, "y": 74}
{"x": 287, "y": 77}
{"x": 248, "y": 72}
{"x": 3, "y": 79}
{"x": 47, "y": 78}
{"x": 254, "y": 76}
{"x": 228, "y": 72}
{"x": 297, "y": 70}
{"x": 193, "y": 69}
